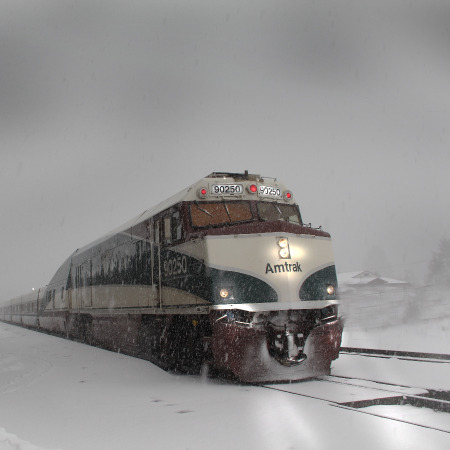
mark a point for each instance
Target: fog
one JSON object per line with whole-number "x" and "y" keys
{"x": 108, "y": 107}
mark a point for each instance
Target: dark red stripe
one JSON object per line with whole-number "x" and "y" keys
{"x": 259, "y": 227}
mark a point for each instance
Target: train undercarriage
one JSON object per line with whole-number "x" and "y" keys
{"x": 248, "y": 346}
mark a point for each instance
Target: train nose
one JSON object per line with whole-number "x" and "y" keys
{"x": 286, "y": 343}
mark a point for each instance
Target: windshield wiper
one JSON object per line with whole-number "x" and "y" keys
{"x": 203, "y": 210}
{"x": 226, "y": 209}
{"x": 286, "y": 218}
{"x": 281, "y": 214}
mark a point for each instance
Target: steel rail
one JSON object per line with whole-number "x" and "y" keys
{"x": 438, "y": 357}
{"x": 397, "y": 398}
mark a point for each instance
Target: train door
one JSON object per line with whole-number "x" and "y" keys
{"x": 77, "y": 297}
{"x": 166, "y": 266}
{"x": 83, "y": 285}
{"x": 69, "y": 296}
{"x": 156, "y": 260}
{"x": 87, "y": 295}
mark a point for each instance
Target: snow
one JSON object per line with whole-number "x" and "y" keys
{"x": 428, "y": 337}
{"x": 342, "y": 391}
{"x": 348, "y": 279}
{"x": 416, "y": 320}
{"x": 435, "y": 375}
{"x": 410, "y": 413}
{"x": 59, "y": 394}
{"x": 10, "y": 441}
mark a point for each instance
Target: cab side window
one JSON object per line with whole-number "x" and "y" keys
{"x": 176, "y": 226}
{"x": 172, "y": 226}
{"x": 167, "y": 230}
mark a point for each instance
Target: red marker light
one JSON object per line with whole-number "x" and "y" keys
{"x": 287, "y": 196}
{"x": 253, "y": 188}
{"x": 202, "y": 192}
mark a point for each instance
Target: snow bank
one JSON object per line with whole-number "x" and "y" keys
{"x": 10, "y": 441}
{"x": 418, "y": 321}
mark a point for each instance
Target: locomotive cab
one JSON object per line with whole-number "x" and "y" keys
{"x": 270, "y": 281}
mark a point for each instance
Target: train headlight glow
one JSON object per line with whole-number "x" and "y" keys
{"x": 224, "y": 293}
{"x": 283, "y": 242}
{"x": 330, "y": 289}
{"x": 284, "y": 251}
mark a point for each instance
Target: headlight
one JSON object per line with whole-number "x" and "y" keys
{"x": 284, "y": 251}
{"x": 330, "y": 289}
{"x": 283, "y": 242}
{"x": 226, "y": 293}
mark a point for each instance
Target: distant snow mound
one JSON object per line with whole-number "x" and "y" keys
{"x": 10, "y": 441}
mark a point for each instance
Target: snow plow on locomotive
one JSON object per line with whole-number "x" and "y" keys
{"x": 224, "y": 273}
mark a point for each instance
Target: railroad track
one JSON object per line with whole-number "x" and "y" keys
{"x": 359, "y": 395}
{"x": 431, "y": 398}
{"x": 414, "y": 356}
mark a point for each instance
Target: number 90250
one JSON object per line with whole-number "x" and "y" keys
{"x": 227, "y": 189}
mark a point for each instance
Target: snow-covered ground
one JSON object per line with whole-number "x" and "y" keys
{"x": 58, "y": 394}
{"x": 418, "y": 321}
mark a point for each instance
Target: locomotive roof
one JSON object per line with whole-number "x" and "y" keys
{"x": 191, "y": 194}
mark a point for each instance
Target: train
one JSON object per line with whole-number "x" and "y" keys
{"x": 224, "y": 275}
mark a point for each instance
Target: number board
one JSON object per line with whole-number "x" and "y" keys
{"x": 227, "y": 189}
{"x": 269, "y": 191}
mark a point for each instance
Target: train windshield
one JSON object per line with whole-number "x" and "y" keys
{"x": 219, "y": 213}
{"x": 274, "y": 211}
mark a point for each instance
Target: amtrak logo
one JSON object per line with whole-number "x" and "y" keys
{"x": 282, "y": 268}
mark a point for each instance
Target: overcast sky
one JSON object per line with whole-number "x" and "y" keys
{"x": 108, "y": 107}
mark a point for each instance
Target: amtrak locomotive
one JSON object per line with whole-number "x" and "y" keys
{"x": 224, "y": 274}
